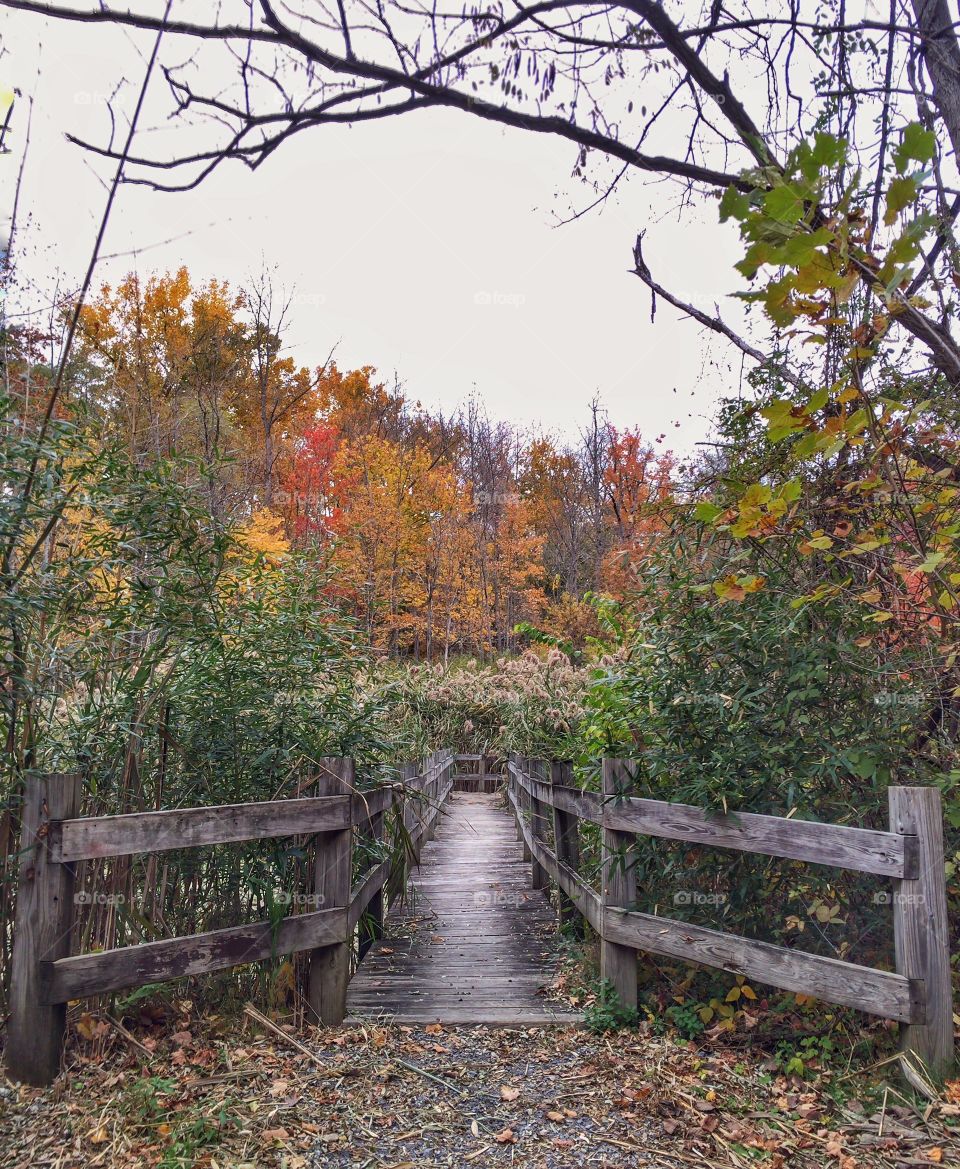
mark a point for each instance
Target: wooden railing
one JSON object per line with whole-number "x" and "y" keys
{"x": 477, "y": 773}
{"x": 46, "y": 975}
{"x": 917, "y": 994}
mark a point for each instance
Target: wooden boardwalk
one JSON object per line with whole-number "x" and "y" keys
{"x": 473, "y": 942}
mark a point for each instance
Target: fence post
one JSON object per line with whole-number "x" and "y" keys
{"x": 42, "y": 929}
{"x": 329, "y": 971}
{"x": 618, "y": 964}
{"x": 517, "y": 804}
{"x": 920, "y": 926}
{"x": 566, "y": 840}
{"x": 523, "y": 803}
{"x": 439, "y": 782}
{"x": 426, "y": 798}
{"x": 372, "y": 921}
{"x": 538, "y": 830}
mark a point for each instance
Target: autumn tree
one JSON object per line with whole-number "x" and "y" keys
{"x": 280, "y": 399}
{"x": 638, "y": 488}
{"x": 162, "y": 363}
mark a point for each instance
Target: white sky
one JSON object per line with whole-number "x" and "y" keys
{"x": 389, "y": 234}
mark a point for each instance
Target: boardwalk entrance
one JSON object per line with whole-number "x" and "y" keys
{"x": 472, "y": 942}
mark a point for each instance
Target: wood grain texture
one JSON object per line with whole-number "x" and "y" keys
{"x": 366, "y": 899}
{"x": 471, "y": 942}
{"x": 42, "y": 932}
{"x": 103, "y": 836}
{"x": 586, "y": 900}
{"x": 538, "y": 830}
{"x": 91, "y": 974}
{"x": 921, "y": 927}
{"x": 863, "y": 850}
{"x": 886, "y": 854}
{"x": 618, "y": 961}
{"x": 328, "y": 974}
{"x": 878, "y": 992}
{"x": 585, "y": 805}
{"x": 566, "y": 839}
{"x": 369, "y": 887}
{"x": 367, "y": 804}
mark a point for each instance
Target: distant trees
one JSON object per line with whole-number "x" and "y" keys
{"x": 442, "y": 534}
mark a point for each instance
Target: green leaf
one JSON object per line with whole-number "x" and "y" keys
{"x": 734, "y": 205}
{"x": 900, "y": 194}
{"x": 784, "y": 204}
{"x": 707, "y": 512}
{"x": 756, "y": 493}
{"x": 791, "y": 490}
{"x": 917, "y": 144}
{"x": 931, "y": 562}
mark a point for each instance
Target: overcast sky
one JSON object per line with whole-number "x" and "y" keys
{"x": 425, "y": 246}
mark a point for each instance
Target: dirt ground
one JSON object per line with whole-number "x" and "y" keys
{"x": 401, "y": 1097}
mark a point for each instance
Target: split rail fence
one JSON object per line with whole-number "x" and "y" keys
{"x": 917, "y": 994}
{"x": 46, "y": 975}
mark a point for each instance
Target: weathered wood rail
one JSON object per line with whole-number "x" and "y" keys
{"x": 348, "y": 906}
{"x": 478, "y": 773}
{"x": 917, "y": 995}
{"x": 46, "y": 975}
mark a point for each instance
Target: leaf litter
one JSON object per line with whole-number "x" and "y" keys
{"x": 392, "y": 1096}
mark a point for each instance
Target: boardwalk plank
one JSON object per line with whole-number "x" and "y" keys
{"x": 472, "y": 943}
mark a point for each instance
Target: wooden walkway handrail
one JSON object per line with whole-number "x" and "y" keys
{"x": 389, "y": 825}
{"x": 586, "y": 899}
{"x": 136, "y": 832}
{"x": 860, "y": 850}
{"x": 45, "y": 975}
{"x": 918, "y": 994}
{"x": 579, "y": 802}
{"x": 85, "y": 975}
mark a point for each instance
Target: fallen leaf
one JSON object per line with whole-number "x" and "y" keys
{"x": 506, "y": 1137}
{"x": 508, "y": 1093}
{"x": 86, "y": 1027}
